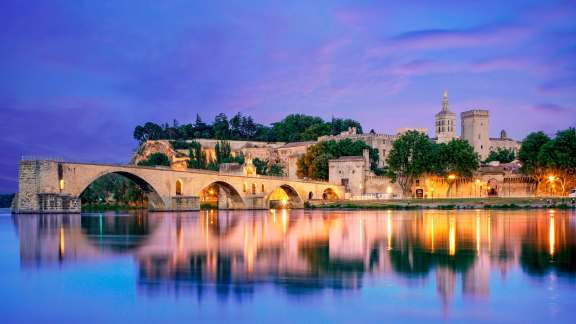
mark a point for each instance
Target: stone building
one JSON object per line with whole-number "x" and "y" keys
{"x": 445, "y": 122}
{"x": 503, "y": 142}
{"x": 476, "y": 130}
{"x": 353, "y": 172}
{"x": 381, "y": 142}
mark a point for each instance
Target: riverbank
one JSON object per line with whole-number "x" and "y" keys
{"x": 449, "y": 203}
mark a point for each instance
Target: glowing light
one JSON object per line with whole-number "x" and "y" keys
{"x": 551, "y": 178}
{"x": 477, "y": 181}
{"x": 451, "y": 176}
{"x": 389, "y": 190}
{"x": 432, "y": 234}
{"x": 61, "y": 245}
{"x": 284, "y": 220}
{"x": 478, "y": 234}
{"x": 61, "y": 184}
{"x": 389, "y": 230}
{"x": 452, "y": 237}
{"x": 211, "y": 191}
{"x": 284, "y": 202}
{"x": 551, "y": 235}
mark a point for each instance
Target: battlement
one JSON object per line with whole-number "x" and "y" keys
{"x": 475, "y": 113}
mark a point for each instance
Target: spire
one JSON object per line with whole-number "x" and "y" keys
{"x": 445, "y": 101}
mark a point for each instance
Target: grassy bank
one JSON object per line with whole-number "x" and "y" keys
{"x": 449, "y": 203}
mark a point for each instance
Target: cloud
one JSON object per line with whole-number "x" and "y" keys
{"x": 551, "y": 108}
{"x": 558, "y": 85}
{"x": 428, "y": 39}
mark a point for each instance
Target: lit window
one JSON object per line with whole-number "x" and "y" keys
{"x": 178, "y": 187}
{"x": 61, "y": 184}
{"x": 245, "y": 188}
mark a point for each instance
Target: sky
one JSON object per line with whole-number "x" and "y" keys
{"x": 77, "y": 76}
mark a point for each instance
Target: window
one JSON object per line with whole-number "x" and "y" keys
{"x": 262, "y": 188}
{"x": 178, "y": 187}
{"x": 61, "y": 184}
{"x": 345, "y": 182}
{"x": 253, "y": 188}
{"x": 245, "y": 187}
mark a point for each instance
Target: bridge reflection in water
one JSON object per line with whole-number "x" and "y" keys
{"x": 233, "y": 252}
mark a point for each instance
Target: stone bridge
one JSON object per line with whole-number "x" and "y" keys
{"x": 47, "y": 186}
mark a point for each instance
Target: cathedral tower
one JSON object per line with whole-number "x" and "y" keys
{"x": 445, "y": 122}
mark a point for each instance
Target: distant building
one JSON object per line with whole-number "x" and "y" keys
{"x": 475, "y": 130}
{"x": 445, "y": 122}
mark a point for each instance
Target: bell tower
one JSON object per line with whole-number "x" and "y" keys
{"x": 445, "y": 122}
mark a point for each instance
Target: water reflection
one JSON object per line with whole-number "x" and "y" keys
{"x": 233, "y": 252}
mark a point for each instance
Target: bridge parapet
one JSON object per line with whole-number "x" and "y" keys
{"x": 49, "y": 186}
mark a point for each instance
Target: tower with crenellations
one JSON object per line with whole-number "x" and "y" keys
{"x": 476, "y": 130}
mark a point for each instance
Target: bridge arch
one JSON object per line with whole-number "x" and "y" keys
{"x": 284, "y": 196}
{"x": 179, "y": 187}
{"x": 212, "y": 194}
{"x": 154, "y": 198}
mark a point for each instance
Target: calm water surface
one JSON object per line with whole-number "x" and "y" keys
{"x": 289, "y": 266}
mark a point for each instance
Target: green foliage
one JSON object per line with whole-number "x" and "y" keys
{"x": 179, "y": 144}
{"x": 155, "y": 159}
{"x": 410, "y": 158}
{"x": 529, "y": 151}
{"x": 542, "y": 157}
{"x": 414, "y": 155}
{"x": 268, "y": 168}
{"x": 314, "y": 164}
{"x": 6, "y": 200}
{"x": 293, "y": 128}
{"x": 458, "y": 158}
{"x": 559, "y": 153}
{"x": 501, "y": 155}
{"x": 197, "y": 156}
{"x": 112, "y": 189}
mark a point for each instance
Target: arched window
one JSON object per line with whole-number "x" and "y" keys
{"x": 310, "y": 195}
{"x": 253, "y": 188}
{"x": 179, "y": 187}
{"x": 262, "y": 187}
{"x": 245, "y": 187}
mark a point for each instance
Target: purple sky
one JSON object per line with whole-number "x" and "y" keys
{"x": 77, "y": 76}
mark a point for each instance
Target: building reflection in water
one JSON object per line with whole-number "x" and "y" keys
{"x": 232, "y": 252}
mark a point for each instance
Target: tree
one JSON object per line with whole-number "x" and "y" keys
{"x": 457, "y": 158}
{"x": 528, "y": 156}
{"x": 558, "y": 158}
{"x": 292, "y": 126}
{"x": 409, "y": 159}
{"x": 197, "y": 156}
{"x": 154, "y": 159}
{"x": 338, "y": 125}
{"x": 221, "y": 127}
{"x": 268, "y": 168}
{"x": 314, "y": 163}
{"x": 501, "y": 155}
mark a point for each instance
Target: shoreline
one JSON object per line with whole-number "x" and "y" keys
{"x": 448, "y": 204}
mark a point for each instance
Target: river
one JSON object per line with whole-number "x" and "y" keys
{"x": 289, "y": 266}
